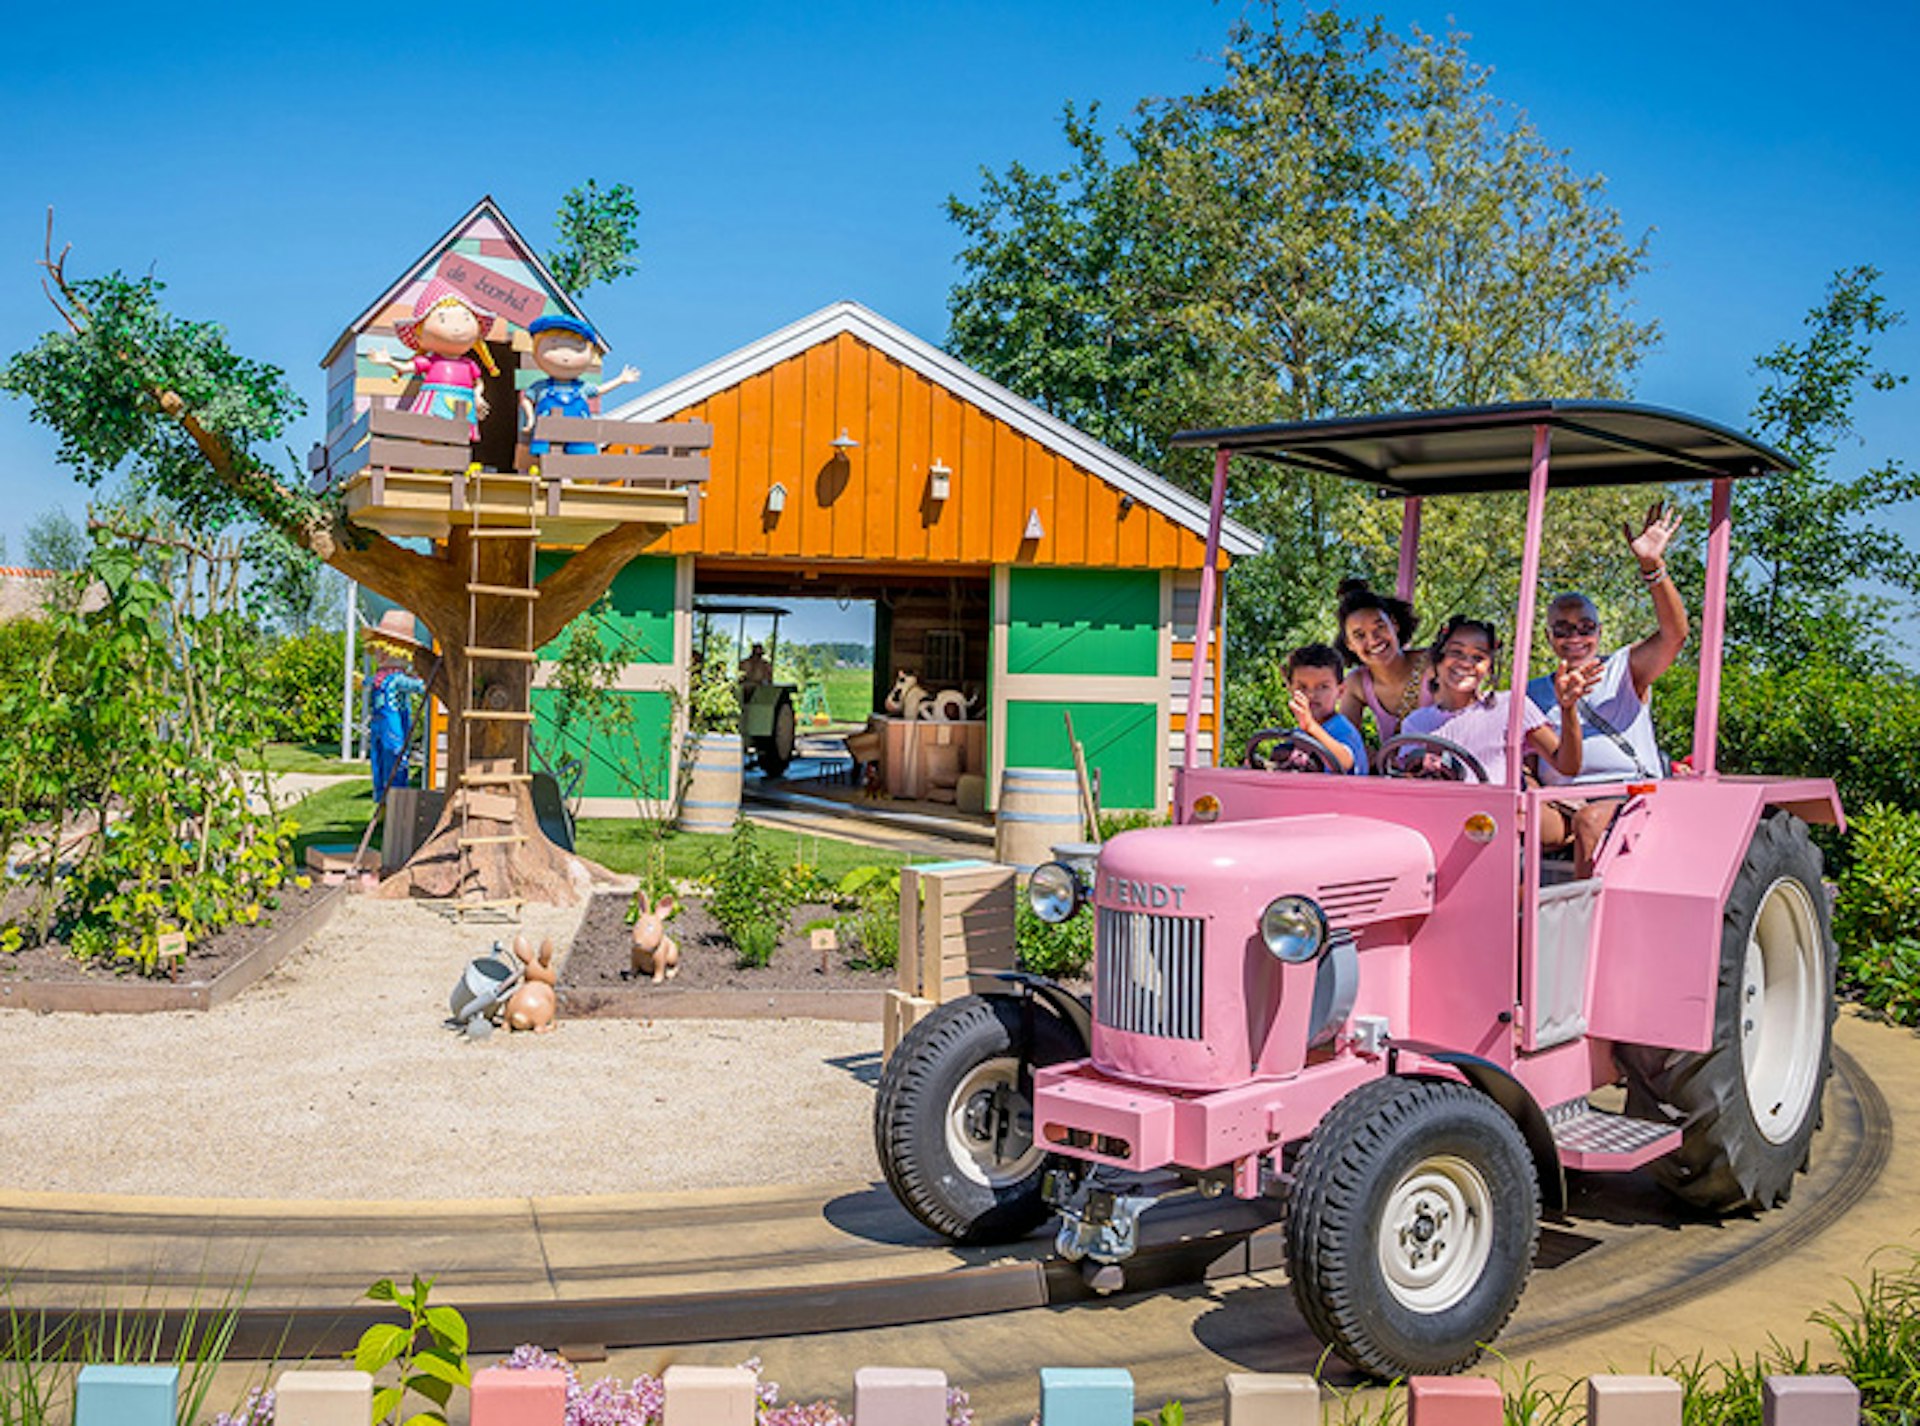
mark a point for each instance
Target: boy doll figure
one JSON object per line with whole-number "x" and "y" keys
{"x": 563, "y": 348}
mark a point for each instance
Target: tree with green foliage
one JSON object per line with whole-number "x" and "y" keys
{"x": 54, "y": 541}
{"x": 1814, "y": 563}
{"x": 598, "y": 232}
{"x": 133, "y": 391}
{"x": 1347, "y": 220}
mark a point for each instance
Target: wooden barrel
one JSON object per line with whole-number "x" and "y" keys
{"x": 1038, "y": 807}
{"x": 713, "y": 786}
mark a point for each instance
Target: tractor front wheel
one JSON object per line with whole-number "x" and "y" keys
{"x": 1411, "y": 1226}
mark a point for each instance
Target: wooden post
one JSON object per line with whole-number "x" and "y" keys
{"x": 1088, "y": 808}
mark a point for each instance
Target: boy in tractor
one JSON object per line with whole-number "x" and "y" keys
{"x": 1313, "y": 695}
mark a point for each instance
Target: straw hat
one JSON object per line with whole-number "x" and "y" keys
{"x": 394, "y": 635}
{"x": 439, "y": 293}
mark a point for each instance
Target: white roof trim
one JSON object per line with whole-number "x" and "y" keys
{"x": 929, "y": 361}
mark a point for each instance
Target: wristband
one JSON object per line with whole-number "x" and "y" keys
{"x": 1655, "y": 575}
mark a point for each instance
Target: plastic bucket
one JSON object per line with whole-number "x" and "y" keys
{"x": 712, "y": 803}
{"x": 1039, "y": 806}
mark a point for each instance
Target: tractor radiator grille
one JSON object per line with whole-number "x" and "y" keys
{"x": 1147, "y": 977}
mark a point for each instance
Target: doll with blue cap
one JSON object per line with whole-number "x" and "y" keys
{"x": 563, "y": 348}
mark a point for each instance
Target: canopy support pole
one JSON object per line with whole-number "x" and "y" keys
{"x": 1713, "y": 630}
{"x": 1409, "y": 547}
{"x": 1529, "y": 591}
{"x": 1203, "y": 621}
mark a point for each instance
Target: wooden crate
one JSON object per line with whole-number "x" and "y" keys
{"x": 899, "y": 1014}
{"x": 956, "y": 924}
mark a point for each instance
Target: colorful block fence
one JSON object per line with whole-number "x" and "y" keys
{"x": 903, "y": 1396}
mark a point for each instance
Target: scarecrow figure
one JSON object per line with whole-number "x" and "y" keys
{"x": 390, "y": 699}
{"x": 448, "y": 330}
{"x": 564, "y": 347}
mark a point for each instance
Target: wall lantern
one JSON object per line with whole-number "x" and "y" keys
{"x": 1035, "y": 530}
{"x": 843, "y": 443}
{"x": 776, "y": 498}
{"x": 939, "y": 481}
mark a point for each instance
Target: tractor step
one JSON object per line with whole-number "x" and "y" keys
{"x": 1599, "y": 1141}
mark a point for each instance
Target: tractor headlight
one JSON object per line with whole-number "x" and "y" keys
{"x": 1294, "y": 928}
{"x": 1054, "y": 892}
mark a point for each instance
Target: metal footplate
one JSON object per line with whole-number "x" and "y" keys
{"x": 1597, "y": 1141}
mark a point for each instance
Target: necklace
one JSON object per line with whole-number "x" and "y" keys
{"x": 1410, "y": 691}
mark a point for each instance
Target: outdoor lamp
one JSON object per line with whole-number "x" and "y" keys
{"x": 776, "y": 498}
{"x": 939, "y": 481}
{"x": 1035, "y": 530}
{"x": 843, "y": 443}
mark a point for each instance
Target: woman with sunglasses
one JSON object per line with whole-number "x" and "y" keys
{"x": 1615, "y": 717}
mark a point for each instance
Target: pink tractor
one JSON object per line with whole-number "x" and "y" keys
{"x": 1376, "y": 1000}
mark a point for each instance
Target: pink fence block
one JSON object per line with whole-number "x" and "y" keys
{"x": 1272, "y": 1399}
{"x": 899, "y": 1396}
{"x": 1618, "y": 1400}
{"x": 316, "y": 1397}
{"x": 708, "y": 1396}
{"x": 1453, "y": 1401}
{"x": 505, "y": 1397}
{"x": 1809, "y": 1401}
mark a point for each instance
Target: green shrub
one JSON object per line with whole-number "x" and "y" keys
{"x": 752, "y": 895}
{"x": 301, "y": 675}
{"x": 870, "y": 924}
{"x": 1878, "y": 912}
{"x": 1814, "y": 719}
{"x": 1063, "y": 952}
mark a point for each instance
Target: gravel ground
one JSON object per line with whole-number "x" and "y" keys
{"x": 334, "y": 1078}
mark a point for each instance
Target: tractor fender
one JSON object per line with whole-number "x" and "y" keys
{"x": 1511, "y": 1095}
{"x": 1068, "y": 1008}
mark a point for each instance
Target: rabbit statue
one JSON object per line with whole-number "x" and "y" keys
{"x": 655, "y": 953}
{"x": 533, "y": 1005}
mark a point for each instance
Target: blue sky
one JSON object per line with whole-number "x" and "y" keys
{"x": 278, "y": 166}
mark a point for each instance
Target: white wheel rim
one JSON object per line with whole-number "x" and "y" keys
{"x": 1436, "y": 1235}
{"x": 1782, "y": 1001}
{"x": 970, "y": 1144}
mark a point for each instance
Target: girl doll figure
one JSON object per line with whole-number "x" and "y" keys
{"x": 448, "y": 331}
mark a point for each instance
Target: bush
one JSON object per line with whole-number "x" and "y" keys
{"x": 301, "y": 675}
{"x": 752, "y": 895}
{"x": 1878, "y": 912}
{"x": 1062, "y": 952}
{"x": 871, "y": 922}
{"x": 1814, "y": 720}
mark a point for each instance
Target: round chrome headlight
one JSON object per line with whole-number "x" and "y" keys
{"x": 1053, "y": 892}
{"x": 1294, "y": 928}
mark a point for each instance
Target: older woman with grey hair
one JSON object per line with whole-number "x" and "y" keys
{"x": 1616, "y": 720}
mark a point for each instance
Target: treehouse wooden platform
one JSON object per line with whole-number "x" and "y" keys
{"x": 412, "y": 475}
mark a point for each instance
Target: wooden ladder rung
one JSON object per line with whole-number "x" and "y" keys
{"x": 531, "y": 532}
{"x": 493, "y": 841}
{"x": 486, "y": 779}
{"x": 474, "y": 651}
{"x": 491, "y": 715}
{"x": 504, "y": 591}
{"x": 502, "y": 477}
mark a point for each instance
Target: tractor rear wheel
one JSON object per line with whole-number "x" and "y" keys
{"x": 1748, "y": 1106}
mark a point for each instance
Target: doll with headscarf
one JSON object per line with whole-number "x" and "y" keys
{"x": 448, "y": 334}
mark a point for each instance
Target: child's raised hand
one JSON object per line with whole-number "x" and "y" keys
{"x": 1302, "y": 711}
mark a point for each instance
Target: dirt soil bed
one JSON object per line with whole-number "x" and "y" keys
{"x": 601, "y": 959}
{"x": 53, "y": 963}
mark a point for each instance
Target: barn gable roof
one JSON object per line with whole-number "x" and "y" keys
{"x": 963, "y": 381}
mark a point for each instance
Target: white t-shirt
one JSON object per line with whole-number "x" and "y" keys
{"x": 1602, "y": 759}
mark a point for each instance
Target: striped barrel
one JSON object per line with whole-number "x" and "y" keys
{"x": 713, "y": 787}
{"x": 1039, "y": 806}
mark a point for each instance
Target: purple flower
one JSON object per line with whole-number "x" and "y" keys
{"x": 258, "y": 1410}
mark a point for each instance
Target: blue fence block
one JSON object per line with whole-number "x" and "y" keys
{"x": 126, "y": 1396}
{"x": 1086, "y": 1396}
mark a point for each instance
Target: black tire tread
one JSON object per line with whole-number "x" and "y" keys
{"x": 1720, "y": 1166}
{"x": 1334, "y": 1172}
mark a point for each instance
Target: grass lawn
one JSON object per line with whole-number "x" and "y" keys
{"x": 308, "y": 757}
{"x": 849, "y": 694}
{"x": 621, "y": 845}
{"x": 332, "y": 816}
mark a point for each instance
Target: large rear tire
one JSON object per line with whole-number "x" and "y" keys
{"x": 953, "y": 1126}
{"x": 1748, "y": 1107}
{"x": 1411, "y": 1226}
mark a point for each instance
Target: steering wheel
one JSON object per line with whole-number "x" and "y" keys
{"x": 1455, "y": 761}
{"x": 1303, "y": 752}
